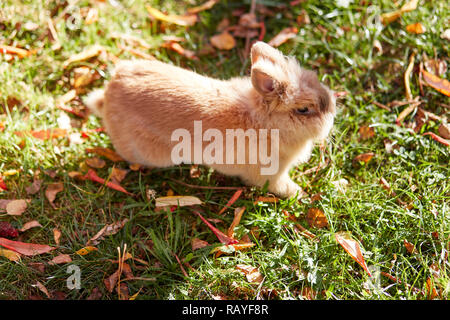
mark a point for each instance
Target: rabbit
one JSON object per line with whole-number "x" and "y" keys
{"x": 146, "y": 101}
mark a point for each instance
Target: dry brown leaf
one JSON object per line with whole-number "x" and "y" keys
{"x": 187, "y": 20}
{"x": 252, "y": 273}
{"x": 56, "y": 235}
{"x": 366, "y": 132}
{"x": 444, "y": 130}
{"x": 282, "y": 37}
{"x": 231, "y": 248}
{"x": 177, "y": 201}
{"x": 436, "y": 66}
{"x": 205, "y": 6}
{"x": 29, "y": 225}
{"x": 52, "y": 190}
{"x": 83, "y": 76}
{"x": 389, "y": 17}
{"x": 107, "y": 230}
{"x": 106, "y": 152}
{"x": 84, "y": 55}
{"x": 232, "y": 200}
{"x": 16, "y": 207}
{"x": 364, "y": 157}
{"x": 175, "y": 46}
{"x": 53, "y": 133}
{"x": 440, "y": 84}
{"x": 238, "y": 212}
{"x": 61, "y": 259}
{"x": 316, "y": 218}
{"x": 41, "y": 287}
{"x": 21, "y": 53}
{"x": 111, "y": 281}
{"x": 266, "y": 199}
{"x": 34, "y": 187}
{"x": 223, "y": 41}
{"x": 409, "y": 247}
{"x": 117, "y": 175}
{"x": 352, "y": 248}
{"x": 95, "y": 162}
{"x": 198, "y": 244}
{"x": 194, "y": 172}
{"x": 416, "y": 28}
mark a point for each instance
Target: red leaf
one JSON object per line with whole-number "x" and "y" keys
{"x": 3, "y": 186}
{"x": 91, "y": 175}
{"x": 27, "y": 249}
{"x": 233, "y": 199}
{"x": 437, "y": 138}
{"x": 219, "y": 234}
{"x": 7, "y": 230}
{"x": 352, "y": 248}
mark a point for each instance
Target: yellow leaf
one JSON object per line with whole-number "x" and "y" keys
{"x": 9, "y": 254}
{"x": 188, "y": 20}
{"x": 417, "y": 28}
{"x": 84, "y": 251}
{"x": 223, "y": 41}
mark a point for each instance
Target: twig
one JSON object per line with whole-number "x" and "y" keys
{"x": 407, "y": 75}
{"x": 382, "y": 106}
{"x": 204, "y": 187}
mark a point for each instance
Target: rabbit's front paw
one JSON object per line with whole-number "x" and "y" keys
{"x": 287, "y": 188}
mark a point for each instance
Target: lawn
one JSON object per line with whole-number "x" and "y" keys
{"x": 378, "y": 179}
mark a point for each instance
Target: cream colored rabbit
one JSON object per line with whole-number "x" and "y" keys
{"x": 147, "y": 101}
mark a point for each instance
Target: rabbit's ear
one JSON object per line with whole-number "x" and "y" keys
{"x": 269, "y": 73}
{"x": 265, "y": 51}
{"x": 262, "y": 82}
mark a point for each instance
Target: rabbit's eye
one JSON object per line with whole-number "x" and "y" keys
{"x": 304, "y": 110}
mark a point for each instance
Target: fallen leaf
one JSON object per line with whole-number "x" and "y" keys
{"x": 252, "y": 273}
{"x": 84, "y": 55}
{"x": 92, "y": 175}
{"x": 52, "y": 190}
{"x": 53, "y": 133}
{"x": 282, "y": 37}
{"x": 9, "y": 254}
{"x": 266, "y": 199}
{"x": 187, "y": 20}
{"x": 83, "y": 76}
{"x": 444, "y": 130}
{"x": 352, "y": 248}
{"x": 111, "y": 281}
{"x": 205, "y": 6}
{"x": 106, "y": 152}
{"x": 232, "y": 200}
{"x": 61, "y": 259}
{"x": 29, "y": 225}
{"x": 86, "y": 250}
{"x": 95, "y": 162}
{"x": 389, "y": 17}
{"x": 223, "y": 41}
{"x": 431, "y": 290}
{"x": 117, "y": 175}
{"x": 316, "y": 218}
{"x": 177, "y": 201}
{"x": 238, "y": 212}
{"x": 56, "y": 235}
{"x": 366, "y": 132}
{"x": 3, "y": 186}
{"x": 194, "y": 172}
{"x": 175, "y": 46}
{"x": 136, "y": 52}
{"x": 219, "y": 234}
{"x": 439, "y": 84}
{"x": 34, "y": 187}
{"x": 96, "y": 294}
{"x": 364, "y": 157}
{"x": 21, "y": 53}
{"x": 198, "y": 244}
{"x": 232, "y": 248}
{"x": 107, "y": 230}
{"x": 436, "y": 66}
{"x": 43, "y": 289}
{"x": 416, "y": 28}
{"x": 27, "y": 249}
{"x": 409, "y": 247}
{"x": 7, "y": 230}
{"x": 16, "y": 207}
{"x": 437, "y": 138}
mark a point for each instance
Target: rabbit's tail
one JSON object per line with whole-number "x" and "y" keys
{"x": 94, "y": 101}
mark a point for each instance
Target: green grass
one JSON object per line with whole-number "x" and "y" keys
{"x": 345, "y": 59}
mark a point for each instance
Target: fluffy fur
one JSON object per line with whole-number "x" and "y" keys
{"x": 145, "y": 101}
